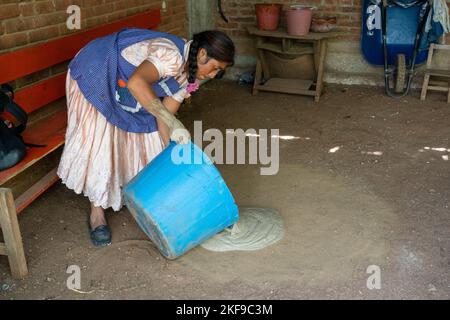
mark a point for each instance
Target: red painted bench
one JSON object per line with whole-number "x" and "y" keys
{"x": 50, "y": 130}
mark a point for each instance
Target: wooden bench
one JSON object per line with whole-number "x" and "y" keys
{"x": 48, "y": 130}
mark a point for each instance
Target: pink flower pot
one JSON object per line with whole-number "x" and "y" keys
{"x": 298, "y": 20}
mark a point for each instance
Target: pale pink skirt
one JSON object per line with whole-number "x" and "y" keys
{"x": 98, "y": 157}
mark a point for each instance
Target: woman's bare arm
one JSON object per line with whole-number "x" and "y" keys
{"x": 139, "y": 85}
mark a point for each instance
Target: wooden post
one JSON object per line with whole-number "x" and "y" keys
{"x": 11, "y": 234}
{"x": 319, "y": 82}
{"x": 258, "y": 76}
{"x": 426, "y": 80}
{"x": 265, "y": 68}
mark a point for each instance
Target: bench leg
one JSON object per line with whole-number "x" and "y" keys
{"x": 423, "y": 94}
{"x": 257, "y": 79}
{"x": 322, "y": 47}
{"x": 12, "y": 236}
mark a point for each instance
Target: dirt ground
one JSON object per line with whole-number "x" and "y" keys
{"x": 381, "y": 199}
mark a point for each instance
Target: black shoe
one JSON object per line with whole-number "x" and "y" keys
{"x": 101, "y": 236}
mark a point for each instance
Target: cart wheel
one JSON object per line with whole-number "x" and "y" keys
{"x": 401, "y": 73}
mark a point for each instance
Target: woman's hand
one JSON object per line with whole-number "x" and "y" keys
{"x": 177, "y": 131}
{"x": 180, "y": 135}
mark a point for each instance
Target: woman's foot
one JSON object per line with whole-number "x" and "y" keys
{"x": 99, "y": 230}
{"x": 97, "y": 217}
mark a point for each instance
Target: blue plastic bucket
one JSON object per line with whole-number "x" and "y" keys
{"x": 180, "y": 200}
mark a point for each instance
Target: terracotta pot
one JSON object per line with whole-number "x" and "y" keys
{"x": 268, "y": 15}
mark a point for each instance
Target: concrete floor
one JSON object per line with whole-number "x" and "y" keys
{"x": 343, "y": 211}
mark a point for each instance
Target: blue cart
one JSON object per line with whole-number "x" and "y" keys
{"x": 391, "y": 37}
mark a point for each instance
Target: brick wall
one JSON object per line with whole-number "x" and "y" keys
{"x": 24, "y": 23}
{"x": 27, "y": 22}
{"x": 241, "y": 14}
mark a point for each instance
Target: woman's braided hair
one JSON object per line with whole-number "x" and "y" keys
{"x": 217, "y": 45}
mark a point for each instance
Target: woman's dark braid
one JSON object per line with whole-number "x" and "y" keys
{"x": 193, "y": 51}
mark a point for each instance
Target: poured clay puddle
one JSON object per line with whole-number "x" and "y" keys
{"x": 256, "y": 229}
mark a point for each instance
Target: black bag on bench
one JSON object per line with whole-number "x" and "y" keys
{"x": 12, "y": 146}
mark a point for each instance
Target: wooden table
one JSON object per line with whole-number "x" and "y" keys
{"x": 290, "y": 45}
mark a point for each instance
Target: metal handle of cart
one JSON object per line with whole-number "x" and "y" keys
{"x": 400, "y": 71}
